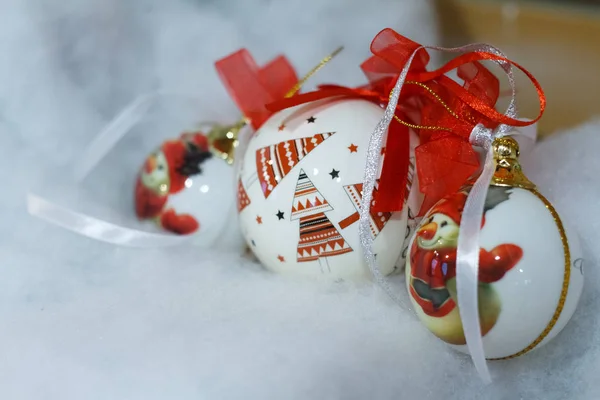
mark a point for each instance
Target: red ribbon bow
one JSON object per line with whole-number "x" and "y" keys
{"x": 252, "y": 87}
{"x": 445, "y": 159}
{"x": 382, "y": 76}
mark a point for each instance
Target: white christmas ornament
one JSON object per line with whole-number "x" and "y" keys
{"x": 186, "y": 187}
{"x": 300, "y": 187}
{"x": 184, "y": 191}
{"x": 530, "y": 265}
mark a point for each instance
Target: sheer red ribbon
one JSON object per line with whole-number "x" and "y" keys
{"x": 252, "y": 87}
{"x": 394, "y": 173}
{"x": 445, "y": 158}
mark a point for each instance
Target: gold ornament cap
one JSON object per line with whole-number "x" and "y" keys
{"x": 223, "y": 140}
{"x": 508, "y": 169}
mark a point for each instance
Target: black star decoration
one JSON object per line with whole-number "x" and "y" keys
{"x": 311, "y": 120}
{"x": 334, "y": 174}
{"x": 280, "y": 215}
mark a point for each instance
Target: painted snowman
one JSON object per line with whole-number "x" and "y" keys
{"x": 183, "y": 188}
{"x": 530, "y": 275}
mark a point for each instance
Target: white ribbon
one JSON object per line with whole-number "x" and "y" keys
{"x": 467, "y": 253}
{"x": 111, "y": 135}
{"x": 88, "y": 225}
{"x": 96, "y": 228}
{"x": 468, "y": 246}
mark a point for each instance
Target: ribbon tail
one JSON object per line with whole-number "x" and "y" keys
{"x": 364, "y": 230}
{"x": 394, "y": 172}
{"x": 467, "y": 267}
{"x": 97, "y": 229}
{"x": 278, "y": 77}
{"x": 371, "y": 171}
{"x": 110, "y": 135}
{"x": 241, "y": 77}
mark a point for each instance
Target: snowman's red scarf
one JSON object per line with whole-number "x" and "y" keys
{"x": 445, "y": 159}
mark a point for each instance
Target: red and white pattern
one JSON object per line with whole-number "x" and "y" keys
{"x": 307, "y": 199}
{"x": 377, "y": 219}
{"x": 318, "y": 236}
{"x": 294, "y": 175}
{"x": 274, "y": 162}
{"x": 243, "y": 200}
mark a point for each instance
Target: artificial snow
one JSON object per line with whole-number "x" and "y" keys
{"x": 88, "y": 320}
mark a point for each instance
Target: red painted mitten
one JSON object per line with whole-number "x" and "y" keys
{"x": 182, "y": 224}
{"x": 494, "y": 264}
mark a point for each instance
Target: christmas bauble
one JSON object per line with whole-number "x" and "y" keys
{"x": 186, "y": 188}
{"x": 300, "y": 188}
{"x": 530, "y": 265}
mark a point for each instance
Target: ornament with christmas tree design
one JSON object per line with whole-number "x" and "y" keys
{"x": 299, "y": 192}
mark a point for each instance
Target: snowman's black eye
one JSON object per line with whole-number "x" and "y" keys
{"x": 443, "y": 224}
{"x": 160, "y": 167}
{"x": 430, "y": 220}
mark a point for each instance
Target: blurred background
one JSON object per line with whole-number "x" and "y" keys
{"x": 557, "y": 40}
{"x": 77, "y": 63}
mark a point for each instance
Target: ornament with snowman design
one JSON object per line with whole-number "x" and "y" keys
{"x": 183, "y": 187}
{"x": 164, "y": 174}
{"x": 529, "y": 276}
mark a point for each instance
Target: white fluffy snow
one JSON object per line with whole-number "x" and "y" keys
{"x": 86, "y": 320}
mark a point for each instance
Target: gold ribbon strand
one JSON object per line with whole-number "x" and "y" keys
{"x": 313, "y": 71}
{"x": 438, "y": 98}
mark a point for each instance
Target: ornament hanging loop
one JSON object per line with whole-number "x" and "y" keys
{"x": 313, "y": 71}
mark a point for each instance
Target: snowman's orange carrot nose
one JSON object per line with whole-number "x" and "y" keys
{"x": 428, "y": 231}
{"x": 150, "y": 164}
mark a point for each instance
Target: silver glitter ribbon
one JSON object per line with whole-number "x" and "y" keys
{"x": 467, "y": 267}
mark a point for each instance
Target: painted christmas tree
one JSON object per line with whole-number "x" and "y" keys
{"x": 242, "y": 197}
{"x": 377, "y": 219}
{"x": 274, "y": 162}
{"x": 319, "y": 238}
